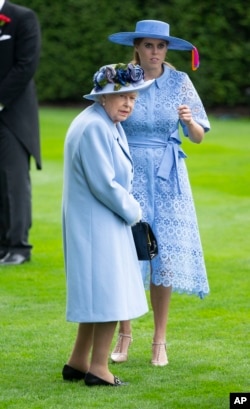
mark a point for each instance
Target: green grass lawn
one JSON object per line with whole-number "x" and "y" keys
{"x": 208, "y": 340}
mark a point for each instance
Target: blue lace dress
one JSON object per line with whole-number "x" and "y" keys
{"x": 161, "y": 182}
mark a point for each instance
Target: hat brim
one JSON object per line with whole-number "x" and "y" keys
{"x": 125, "y": 38}
{"x": 109, "y": 89}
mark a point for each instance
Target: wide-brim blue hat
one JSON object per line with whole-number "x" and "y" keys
{"x": 151, "y": 29}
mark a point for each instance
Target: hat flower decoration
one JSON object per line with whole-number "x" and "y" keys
{"x": 4, "y": 20}
{"x": 119, "y": 79}
{"x": 121, "y": 75}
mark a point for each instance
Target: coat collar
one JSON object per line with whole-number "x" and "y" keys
{"x": 160, "y": 81}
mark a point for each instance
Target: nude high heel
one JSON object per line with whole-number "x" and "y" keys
{"x": 120, "y": 352}
{"x": 159, "y": 354}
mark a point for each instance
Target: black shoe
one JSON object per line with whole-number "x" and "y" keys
{"x": 3, "y": 253}
{"x": 92, "y": 380}
{"x": 71, "y": 374}
{"x": 13, "y": 259}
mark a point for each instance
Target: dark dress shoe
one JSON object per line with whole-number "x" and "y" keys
{"x": 14, "y": 259}
{"x": 3, "y": 253}
{"x": 71, "y": 374}
{"x": 92, "y": 380}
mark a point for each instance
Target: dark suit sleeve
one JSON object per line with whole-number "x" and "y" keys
{"x": 27, "y": 51}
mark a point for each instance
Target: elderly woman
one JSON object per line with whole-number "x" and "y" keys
{"x": 104, "y": 283}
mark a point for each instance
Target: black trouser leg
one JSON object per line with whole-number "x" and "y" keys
{"x": 15, "y": 195}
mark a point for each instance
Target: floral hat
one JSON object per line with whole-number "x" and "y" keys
{"x": 117, "y": 79}
{"x": 156, "y": 29}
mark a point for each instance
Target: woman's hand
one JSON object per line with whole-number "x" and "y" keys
{"x": 185, "y": 114}
{"x": 195, "y": 131}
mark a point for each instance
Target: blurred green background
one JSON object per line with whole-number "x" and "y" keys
{"x": 75, "y": 44}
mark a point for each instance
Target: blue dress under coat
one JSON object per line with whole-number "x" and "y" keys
{"x": 103, "y": 275}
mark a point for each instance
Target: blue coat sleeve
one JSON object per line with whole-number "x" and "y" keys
{"x": 108, "y": 170}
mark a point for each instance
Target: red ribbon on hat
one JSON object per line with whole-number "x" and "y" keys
{"x": 195, "y": 59}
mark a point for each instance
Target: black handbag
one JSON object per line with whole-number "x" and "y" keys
{"x": 145, "y": 241}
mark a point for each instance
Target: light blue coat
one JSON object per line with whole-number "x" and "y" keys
{"x": 102, "y": 271}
